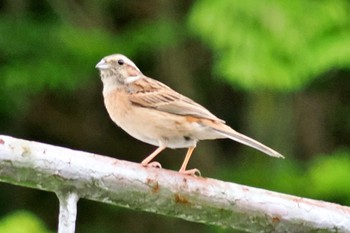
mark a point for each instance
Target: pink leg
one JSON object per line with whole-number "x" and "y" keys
{"x": 146, "y": 161}
{"x": 183, "y": 170}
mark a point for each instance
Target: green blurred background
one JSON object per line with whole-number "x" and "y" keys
{"x": 276, "y": 70}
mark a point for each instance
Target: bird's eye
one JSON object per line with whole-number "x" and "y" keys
{"x": 121, "y": 62}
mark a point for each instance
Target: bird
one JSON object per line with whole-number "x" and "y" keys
{"x": 152, "y": 112}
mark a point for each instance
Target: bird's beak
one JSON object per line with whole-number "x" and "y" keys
{"x": 102, "y": 65}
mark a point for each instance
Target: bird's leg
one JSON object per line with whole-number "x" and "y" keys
{"x": 147, "y": 161}
{"x": 183, "y": 170}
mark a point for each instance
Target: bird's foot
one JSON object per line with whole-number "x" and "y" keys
{"x": 154, "y": 164}
{"x": 191, "y": 172}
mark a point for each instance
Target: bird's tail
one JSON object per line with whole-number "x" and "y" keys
{"x": 228, "y": 132}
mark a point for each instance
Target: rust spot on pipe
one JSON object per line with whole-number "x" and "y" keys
{"x": 155, "y": 188}
{"x": 181, "y": 199}
{"x": 153, "y": 184}
{"x": 276, "y": 219}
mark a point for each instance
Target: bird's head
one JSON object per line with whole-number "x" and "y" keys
{"x": 117, "y": 70}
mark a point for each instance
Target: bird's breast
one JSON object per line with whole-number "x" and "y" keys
{"x": 117, "y": 105}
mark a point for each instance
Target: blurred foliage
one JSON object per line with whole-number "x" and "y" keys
{"x": 329, "y": 177}
{"x": 22, "y": 222}
{"x": 274, "y": 44}
{"x": 35, "y": 57}
{"x": 51, "y": 91}
{"x": 36, "y": 54}
{"x": 325, "y": 178}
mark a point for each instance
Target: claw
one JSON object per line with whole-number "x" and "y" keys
{"x": 153, "y": 164}
{"x": 191, "y": 172}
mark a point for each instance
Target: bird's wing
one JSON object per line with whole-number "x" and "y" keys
{"x": 150, "y": 93}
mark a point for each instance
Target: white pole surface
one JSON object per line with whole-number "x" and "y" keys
{"x": 198, "y": 199}
{"x": 68, "y": 212}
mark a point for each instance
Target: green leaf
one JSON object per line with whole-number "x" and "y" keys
{"x": 274, "y": 44}
{"x": 22, "y": 222}
{"x": 49, "y": 55}
{"x": 329, "y": 176}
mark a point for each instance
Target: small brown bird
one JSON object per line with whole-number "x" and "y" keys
{"x": 152, "y": 112}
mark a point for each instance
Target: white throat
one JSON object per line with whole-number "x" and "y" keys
{"x": 108, "y": 85}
